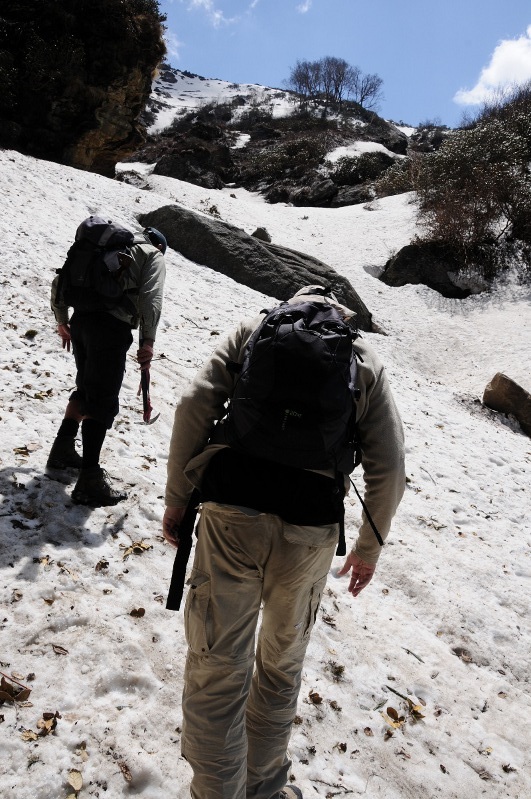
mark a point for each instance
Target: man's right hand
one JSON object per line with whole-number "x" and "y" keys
{"x": 64, "y": 332}
{"x": 170, "y": 525}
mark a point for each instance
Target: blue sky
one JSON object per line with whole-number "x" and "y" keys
{"x": 436, "y": 59}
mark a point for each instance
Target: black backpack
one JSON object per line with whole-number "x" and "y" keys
{"x": 294, "y": 396}
{"x": 94, "y": 273}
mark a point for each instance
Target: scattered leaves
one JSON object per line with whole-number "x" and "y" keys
{"x": 368, "y": 732}
{"x": 12, "y": 691}
{"x": 508, "y": 769}
{"x": 402, "y": 753}
{"x": 124, "y": 768}
{"x": 315, "y": 698}
{"x": 414, "y": 710}
{"x": 48, "y": 723}
{"x": 393, "y": 719}
{"x": 334, "y": 705}
{"x": 29, "y": 735}
{"x": 138, "y": 612}
{"x": 101, "y": 565}
{"x": 42, "y": 395}
{"x": 65, "y": 570}
{"x": 59, "y": 650}
{"x": 431, "y": 522}
{"x": 44, "y": 561}
{"x": 337, "y": 670}
{"x": 463, "y": 654}
{"x": 136, "y": 548}
{"x": 23, "y": 451}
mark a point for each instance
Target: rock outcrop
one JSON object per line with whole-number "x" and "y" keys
{"x": 73, "y": 85}
{"x": 261, "y": 265}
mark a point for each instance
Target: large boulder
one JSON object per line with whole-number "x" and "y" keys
{"x": 274, "y": 270}
{"x": 504, "y": 395}
{"x": 386, "y": 134}
{"x": 318, "y": 193}
{"x": 429, "y": 263}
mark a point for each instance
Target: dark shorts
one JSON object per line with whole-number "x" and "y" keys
{"x": 100, "y": 343}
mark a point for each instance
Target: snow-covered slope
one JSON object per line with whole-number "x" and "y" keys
{"x": 445, "y": 621}
{"x": 176, "y": 93}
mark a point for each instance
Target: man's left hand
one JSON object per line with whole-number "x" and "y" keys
{"x": 144, "y": 355}
{"x": 64, "y": 332}
{"x": 361, "y": 574}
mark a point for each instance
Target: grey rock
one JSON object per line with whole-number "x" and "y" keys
{"x": 262, "y": 234}
{"x": 504, "y": 395}
{"x": 269, "y": 268}
{"x": 427, "y": 263}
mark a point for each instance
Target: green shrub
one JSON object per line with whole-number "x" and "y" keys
{"x": 352, "y": 170}
{"x": 398, "y": 179}
{"x": 475, "y": 192}
{"x": 285, "y": 157}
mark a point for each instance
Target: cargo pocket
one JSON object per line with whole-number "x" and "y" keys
{"x": 313, "y": 606}
{"x": 197, "y": 612}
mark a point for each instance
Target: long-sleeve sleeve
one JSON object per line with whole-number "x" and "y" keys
{"x": 382, "y": 442}
{"x": 151, "y": 289}
{"x": 60, "y": 310}
{"x": 199, "y": 408}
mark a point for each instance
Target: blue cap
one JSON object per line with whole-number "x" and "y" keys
{"x": 156, "y": 238}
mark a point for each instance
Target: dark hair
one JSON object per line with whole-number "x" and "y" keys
{"x": 156, "y": 238}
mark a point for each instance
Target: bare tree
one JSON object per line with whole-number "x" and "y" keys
{"x": 305, "y": 79}
{"x": 366, "y": 90}
{"x": 332, "y": 80}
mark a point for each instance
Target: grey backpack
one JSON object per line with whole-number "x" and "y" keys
{"x": 93, "y": 275}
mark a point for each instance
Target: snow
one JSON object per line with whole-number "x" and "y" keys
{"x": 357, "y": 148}
{"x": 176, "y": 93}
{"x": 445, "y": 621}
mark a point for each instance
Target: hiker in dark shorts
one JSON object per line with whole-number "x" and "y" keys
{"x": 267, "y": 534}
{"x": 100, "y": 341}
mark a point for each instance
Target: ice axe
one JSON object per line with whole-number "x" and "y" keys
{"x": 145, "y": 380}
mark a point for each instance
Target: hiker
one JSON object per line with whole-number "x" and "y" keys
{"x": 266, "y": 537}
{"x": 100, "y": 340}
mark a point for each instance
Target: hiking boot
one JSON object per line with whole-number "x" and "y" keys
{"x": 291, "y": 792}
{"x": 93, "y": 488}
{"x": 63, "y": 454}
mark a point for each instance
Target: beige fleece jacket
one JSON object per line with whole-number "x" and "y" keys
{"x": 378, "y": 420}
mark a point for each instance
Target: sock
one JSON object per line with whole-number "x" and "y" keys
{"x": 93, "y": 434}
{"x": 68, "y": 429}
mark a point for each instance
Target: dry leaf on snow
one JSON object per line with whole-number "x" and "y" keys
{"x": 75, "y": 779}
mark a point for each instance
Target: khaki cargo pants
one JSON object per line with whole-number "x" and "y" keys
{"x": 240, "y": 694}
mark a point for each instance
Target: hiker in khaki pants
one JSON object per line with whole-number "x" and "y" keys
{"x": 267, "y": 534}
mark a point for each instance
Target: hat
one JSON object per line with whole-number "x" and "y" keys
{"x": 156, "y": 238}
